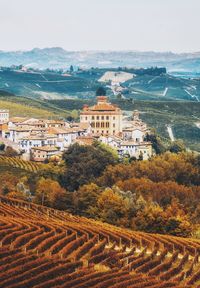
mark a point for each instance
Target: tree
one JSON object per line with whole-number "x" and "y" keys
{"x": 70, "y": 118}
{"x": 71, "y": 69}
{"x": 101, "y": 91}
{"x": 157, "y": 143}
{"x": 84, "y": 164}
{"x": 50, "y": 193}
{"x": 10, "y": 152}
{"x": 8, "y": 183}
{"x": 112, "y": 208}
{"x": 177, "y": 147}
{"x": 2, "y": 146}
{"x": 86, "y": 197}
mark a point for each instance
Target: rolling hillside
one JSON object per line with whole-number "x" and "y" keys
{"x": 26, "y": 107}
{"x": 46, "y": 85}
{"x": 142, "y": 84}
{"x": 43, "y": 247}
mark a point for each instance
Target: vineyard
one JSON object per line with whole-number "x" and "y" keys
{"x": 42, "y": 247}
{"x": 19, "y": 163}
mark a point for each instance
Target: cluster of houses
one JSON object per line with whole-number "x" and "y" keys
{"x": 40, "y": 139}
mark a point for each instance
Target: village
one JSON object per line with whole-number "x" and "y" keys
{"x": 40, "y": 139}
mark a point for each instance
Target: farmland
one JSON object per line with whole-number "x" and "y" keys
{"x": 145, "y": 84}
{"x": 43, "y": 247}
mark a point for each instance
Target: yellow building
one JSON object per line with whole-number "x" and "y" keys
{"x": 104, "y": 117}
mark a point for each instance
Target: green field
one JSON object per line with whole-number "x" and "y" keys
{"x": 28, "y": 107}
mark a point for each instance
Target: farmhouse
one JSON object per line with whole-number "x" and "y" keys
{"x": 40, "y": 154}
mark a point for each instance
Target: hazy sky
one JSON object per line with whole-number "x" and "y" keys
{"x": 160, "y": 25}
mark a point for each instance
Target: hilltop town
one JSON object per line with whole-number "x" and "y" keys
{"x": 41, "y": 139}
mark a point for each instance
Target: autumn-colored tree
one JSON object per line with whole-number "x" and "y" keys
{"x": 10, "y": 152}
{"x": 154, "y": 219}
{"x": 86, "y": 197}
{"x": 167, "y": 167}
{"x": 112, "y": 208}
{"x": 8, "y": 183}
{"x": 161, "y": 192}
{"x": 50, "y": 193}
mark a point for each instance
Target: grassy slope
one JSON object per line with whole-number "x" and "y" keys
{"x": 26, "y": 107}
{"x": 50, "y": 84}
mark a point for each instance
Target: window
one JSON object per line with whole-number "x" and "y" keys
{"x": 113, "y": 131}
{"x": 113, "y": 117}
{"x": 92, "y": 124}
{"x": 92, "y": 117}
{"x": 102, "y": 117}
{"x": 97, "y": 124}
{"x": 107, "y": 124}
{"x": 97, "y": 117}
{"x": 86, "y": 118}
{"x": 102, "y": 124}
{"x": 107, "y": 117}
{"x": 113, "y": 125}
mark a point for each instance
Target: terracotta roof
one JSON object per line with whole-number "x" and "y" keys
{"x": 129, "y": 143}
{"x": 59, "y": 130}
{"x": 81, "y": 125}
{"x": 134, "y": 128}
{"x": 103, "y": 107}
{"x": 85, "y": 140}
{"x": 39, "y": 137}
{"x": 17, "y": 119}
{"x": 54, "y": 121}
{"x": 46, "y": 148}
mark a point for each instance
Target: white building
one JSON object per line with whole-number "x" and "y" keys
{"x": 4, "y": 116}
{"x": 39, "y": 140}
{"x": 133, "y": 149}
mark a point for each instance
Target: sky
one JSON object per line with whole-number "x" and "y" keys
{"x": 143, "y": 25}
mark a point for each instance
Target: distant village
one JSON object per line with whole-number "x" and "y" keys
{"x": 41, "y": 140}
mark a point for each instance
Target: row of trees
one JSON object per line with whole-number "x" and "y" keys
{"x": 160, "y": 195}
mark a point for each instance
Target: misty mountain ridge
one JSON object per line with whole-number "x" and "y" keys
{"x": 57, "y": 57}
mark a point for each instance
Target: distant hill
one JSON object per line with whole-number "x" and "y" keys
{"x": 59, "y": 58}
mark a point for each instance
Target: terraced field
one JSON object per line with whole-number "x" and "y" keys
{"x": 42, "y": 247}
{"x": 19, "y": 163}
